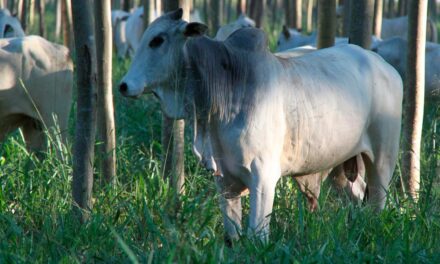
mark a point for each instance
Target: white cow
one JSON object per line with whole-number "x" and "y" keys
{"x": 269, "y": 116}
{"x": 9, "y": 25}
{"x": 398, "y": 27}
{"x": 134, "y": 28}
{"x": 291, "y": 38}
{"x": 47, "y": 74}
{"x": 226, "y": 30}
{"x": 119, "y": 19}
{"x": 394, "y": 52}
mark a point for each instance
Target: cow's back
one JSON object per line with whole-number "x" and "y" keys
{"x": 37, "y": 74}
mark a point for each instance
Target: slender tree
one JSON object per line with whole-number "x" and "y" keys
{"x": 41, "y": 5}
{"x": 377, "y": 22}
{"x": 24, "y": 14}
{"x": 391, "y": 8}
{"x": 297, "y": 14}
{"x": 361, "y": 22}
{"x": 106, "y": 120}
{"x": 58, "y": 19}
{"x": 326, "y": 23}
{"x": 433, "y": 9}
{"x": 310, "y": 15}
{"x": 241, "y": 7}
{"x": 215, "y": 15}
{"x": 414, "y": 94}
{"x": 83, "y": 153}
{"x": 173, "y": 130}
{"x": 346, "y": 18}
{"x": 257, "y": 11}
{"x": 126, "y": 5}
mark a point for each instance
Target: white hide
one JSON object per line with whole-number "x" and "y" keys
{"x": 300, "y": 116}
{"x": 394, "y": 52}
{"x": 225, "y": 31}
{"x": 47, "y": 73}
{"x": 9, "y": 25}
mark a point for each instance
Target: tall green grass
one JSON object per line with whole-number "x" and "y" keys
{"x": 138, "y": 219}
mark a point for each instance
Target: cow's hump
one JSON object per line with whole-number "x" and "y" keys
{"x": 251, "y": 39}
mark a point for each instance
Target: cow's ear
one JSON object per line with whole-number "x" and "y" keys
{"x": 194, "y": 29}
{"x": 124, "y": 18}
{"x": 286, "y": 32}
{"x": 14, "y": 14}
{"x": 175, "y": 15}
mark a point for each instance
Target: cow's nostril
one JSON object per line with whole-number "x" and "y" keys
{"x": 123, "y": 87}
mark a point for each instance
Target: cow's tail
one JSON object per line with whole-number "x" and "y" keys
{"x": 433, "y": 29}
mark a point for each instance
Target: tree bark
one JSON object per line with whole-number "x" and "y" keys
{"x": 126, "y": 5}
{"x": 173, "y": 131}
{"x": 402, "y": 5}
{"x": 106, "y": 124}
{"x": 326, "y": 23}
{"x": 346, "y": 18}
{"x": 414, "y": 94}
{"x": 66, "y": 22}
{"x": 391, "y": 8}
{"x": 361, "y": 23}
{"x": 83, "y": 146}
{"x": 297, "y": 14}
{"x": 41, "y": 17}
{"x": 377, "y": 23}
{"x": 215, "y": 15}
{"x": 241, "y": 7}
{"x": 310, "y": 15}
{"x": 58, "y": 15}
{"x": 433, "y": 10}
{"x": 257, "y": 12}
{"x": 24, "y": 14}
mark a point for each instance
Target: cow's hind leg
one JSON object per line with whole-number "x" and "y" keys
{"x": 379, "y": 174}
{"x": 310, "y": 186}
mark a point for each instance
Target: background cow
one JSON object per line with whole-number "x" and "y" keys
{"x": 394, "y": 52}
{"x": 46, "y": 72}
{"x": 9, "y": 25}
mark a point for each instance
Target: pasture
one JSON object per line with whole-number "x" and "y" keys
{"x": 139, "y": 219}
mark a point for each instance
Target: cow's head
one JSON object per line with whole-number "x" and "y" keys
{"x": 158, "y": 64}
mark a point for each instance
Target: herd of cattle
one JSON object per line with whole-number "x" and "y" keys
{"x": 301, "y": 112}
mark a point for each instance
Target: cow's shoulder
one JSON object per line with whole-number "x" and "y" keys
{"x": 251, "y": 39}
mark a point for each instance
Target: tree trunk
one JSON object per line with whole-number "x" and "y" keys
{"x": 257, "y": 12}
{"x": 433, "y": 10}
{"x": 41, "y": 17}
{"x": 297, "y": 14}
{"x": 402, "y": 7}
{"x": 106, "y": 124}
{"x": 310, "y": 15}
{"x": 241, "y": 7}
{"x": 126, "y": 5}
{"x": 346, "y": 18}
{"x": 215, "y": 15}
{"x": 148, "y": 12}
{"x": 58, "y": 15}
{"x": 24, "y": 14}
{"x": 31, "y": 8}
{"x": 361, "y": 22}
{"x": 66, "y": 22}
{"x": 377, "y": 23}
{"x": 414, "y": 94}
{"x": 391, "y": 7}
{"x": 173, "y": 131}
{"x": 288, "y": 5}
{"x": 326, "y": 23}
{"x": 158, "y": 7}
{"x": 83, "y": 153}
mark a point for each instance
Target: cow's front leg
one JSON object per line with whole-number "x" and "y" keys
{"x": 262, "y": 192}
{"x": 230, "y": 205}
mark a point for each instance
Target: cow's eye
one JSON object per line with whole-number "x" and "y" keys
{"x": 156, "y": 42}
